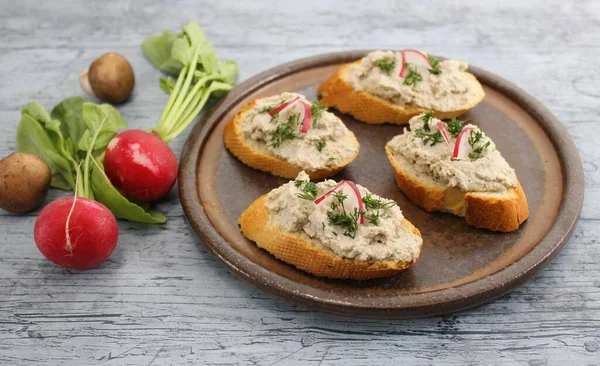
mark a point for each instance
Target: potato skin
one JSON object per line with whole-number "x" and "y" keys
{"x": 24, "y": 182}
{"x": 111, "y": 78}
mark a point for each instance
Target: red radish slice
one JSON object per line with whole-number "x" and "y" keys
{"x": 361, "y": 207}
{"x": 400, "y": 60}
{"x": 282, "y": 106}
{"x": 354, "y": 198}
{"x": 320, "y": 199}
{"x": 444, "y": 132}
{"x": 414, "y": 57}
{"x": 462, "y": 149}
{"x": 307, "y": 118}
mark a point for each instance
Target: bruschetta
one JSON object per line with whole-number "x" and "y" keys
{"x": 454, "y": 167}
{"x": 332, "y": 229}
{"x": 394, "y": 86}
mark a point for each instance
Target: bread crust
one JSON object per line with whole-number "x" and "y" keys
{"x": 264, "y": 160}
{"x": 497, "y": 213}
{"x": 298, "y": 250}
{"x": 337, "y": 93}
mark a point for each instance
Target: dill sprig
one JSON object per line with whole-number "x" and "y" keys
{"x": 474, "y": 139}
{"x": 426, "y": 120}
{"x": 321, "y": 144}
{"x": 309, "y": 189}
{"x": 435, "y": 65}
{"x": 316, "y": 110}
{"x": 454, "y": 126}
{"x": 386, "y": 64}
{"x": 429, "y": 138}
{"x": 376, "y": 205}
{"x": 339, "y": 217}
{"x": 286, "y": 130}
{"x": 413, "y": 76}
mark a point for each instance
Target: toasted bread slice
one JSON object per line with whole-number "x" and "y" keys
{"x": 300, "y": 251}
{"x": 260, "y": 158}
{"x": 336, "y": 92}
{"x": 497, "y": 211}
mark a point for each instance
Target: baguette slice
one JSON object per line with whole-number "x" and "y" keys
{"x": 264, "y": 160}
{"x": 336, "y": 92}
{"x": 298, "y": 249}
{"x": 488, "y": 210}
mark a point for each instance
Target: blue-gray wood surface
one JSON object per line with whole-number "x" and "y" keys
{"x": 163, "y": 299}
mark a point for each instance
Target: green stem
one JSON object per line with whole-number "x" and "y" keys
{"x": 87, "y": 191}
{"x": 163, "y": 127}
{"x": 190, "y": 100}
{"x": 183, "y": 123}
{"x": 172, "y": 98}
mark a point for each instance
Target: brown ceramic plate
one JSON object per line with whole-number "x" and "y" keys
{"x": 460, "y": 266}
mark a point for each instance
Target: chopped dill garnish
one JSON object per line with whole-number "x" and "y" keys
{"x": 375, "y": 204}
{"x": 316, "y": 110}
{"x": 426, "y": 120}
{"x": 413, "y": 76}
{"x": 286, "y": 130}
{"x": 454, "y": 126}
{"x": 386, "y": 64}
{"x": 474, "y": 139}
{"x": 339, "y": 217}
{"x": 321, "y": 144}
{"x": 431, "y": 138}
{"x": 309, "y": 189}
{"x": 435, "y": 65}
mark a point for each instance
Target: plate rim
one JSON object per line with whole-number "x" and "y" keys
{"x": 442, "y": 301}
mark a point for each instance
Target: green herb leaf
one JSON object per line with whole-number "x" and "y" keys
{"x": 338, "y": 216}
{"x": 285, "y": 131}
{"x": 321, "y": 144}
{"x": 413, "y": 76}
{"x": 386, "y": 64}
{"x": 167, "y": 84}
{"x": 121, "y": 207}
{"x": 309, "y": 189}
{"x": 429, "y": 138}
{"x": 426, "y": 120}
{"x": 435, "y": 65}
{"x": 33, "y": 138}
{"x": 454, "y": 126}
{"x": 70, "y": 114}
{"x": 475, "y": 138}
{"x": 102, "y": 122}
{"x": 316, "y": 110}
{"x": 201, "y": 76}
{"x": 158, "y": 50}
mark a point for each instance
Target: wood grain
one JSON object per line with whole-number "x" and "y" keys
{"x": 162, "y": 299}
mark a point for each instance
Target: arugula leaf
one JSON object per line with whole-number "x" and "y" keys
{"x": 33, "y": 138}
{"x": 158, "y": 50}
{"x": 70, "y": 114}
{"x": 121, "y": 207}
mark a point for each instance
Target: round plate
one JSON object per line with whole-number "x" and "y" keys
{"x": 460, "y": 266}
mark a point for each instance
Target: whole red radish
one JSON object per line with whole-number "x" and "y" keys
{"x": 76, "y": 232}
{"x": 140, "y": 165}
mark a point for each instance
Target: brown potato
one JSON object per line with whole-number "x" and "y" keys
{"x": 24, "y": 182}
{"x": 109, "y": 78}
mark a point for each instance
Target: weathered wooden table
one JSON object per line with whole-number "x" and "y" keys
{"x": 162, "y": 299}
